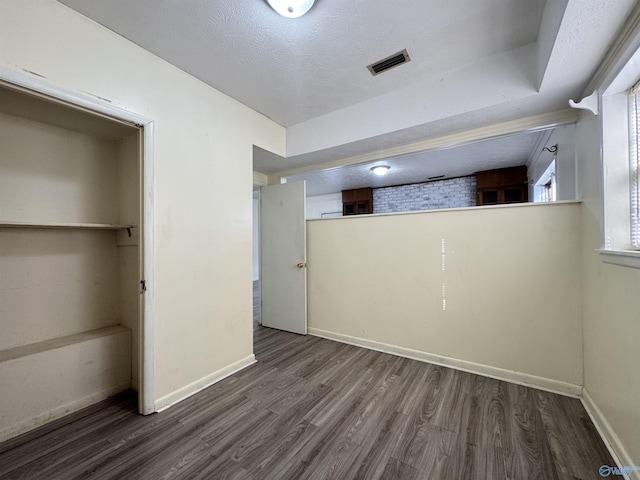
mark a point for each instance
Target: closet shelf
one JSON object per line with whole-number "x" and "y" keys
{"x": 76, "y": 226}
{"x": 55, "y": 343}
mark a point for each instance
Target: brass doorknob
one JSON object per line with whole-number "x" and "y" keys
{"x": 301, "y": 265}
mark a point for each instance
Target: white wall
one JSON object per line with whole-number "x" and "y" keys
{"x": 319, "y": 204}
{"x": 202, "y": 186}
{"x": 611, "y": 312}
{"x": 510, "y": 276}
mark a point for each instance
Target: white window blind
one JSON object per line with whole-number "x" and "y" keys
{"x": 634, "y": 150}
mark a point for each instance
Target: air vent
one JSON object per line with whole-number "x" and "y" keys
{"x": 389, "y": 62}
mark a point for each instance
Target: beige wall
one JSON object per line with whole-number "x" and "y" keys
{"x": 611, "y": 313}
{"x": 203, "y": 177}
{"x": 56, "y": 283}
{"x": 62, "y": 168}
{"x": 511, "y": 279}
{"x": 42, "y": 382}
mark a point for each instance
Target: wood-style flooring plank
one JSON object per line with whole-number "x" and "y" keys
{"x": 528, "y": 455}
{"x": 133, "y": 450}
{"x": 489, "y": 421}
{"x": 472, "y": 462}
{"x": 284, "y": 453}
{"x": 425, "y": 447}
{"x": 572, "y": 438}
{"x": 395, "y": 470}
{"x": 376, "y": 452}
{"x": 83, "y": 426}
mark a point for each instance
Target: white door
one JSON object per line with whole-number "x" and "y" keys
{"x": 283, "y": 253}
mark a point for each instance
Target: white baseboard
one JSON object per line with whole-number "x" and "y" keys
{"x": 608, "y": 435}
{"x": 185, "y": 392}
{"x": 554, "y": 386}
{"x": 60, "y": 411}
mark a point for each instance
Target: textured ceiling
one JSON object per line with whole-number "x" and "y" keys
{"x": 508, "y": 151}
{"x": 293, "y": 70}
{"x": 474, "y": 63}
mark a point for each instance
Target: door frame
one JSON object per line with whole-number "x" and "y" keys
{"x": 97, "y": 106}
{"x": 256, "y": 243}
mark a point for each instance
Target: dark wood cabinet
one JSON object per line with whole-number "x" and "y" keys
{"x": 357, "y": 202}
{"x": 503, "y": 185}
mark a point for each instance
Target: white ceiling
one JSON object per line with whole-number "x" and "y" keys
{"x": 473, "y": 63}
{"x": 293, "y": 70}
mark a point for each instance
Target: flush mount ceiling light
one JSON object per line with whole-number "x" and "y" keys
{"x": 380, "y": 170}
{"x": 291, "y": 8}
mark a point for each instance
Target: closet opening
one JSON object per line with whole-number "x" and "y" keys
{"x": 76, "y": 271}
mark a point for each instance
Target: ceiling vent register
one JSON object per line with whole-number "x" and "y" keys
{"x": 389, "y": 62}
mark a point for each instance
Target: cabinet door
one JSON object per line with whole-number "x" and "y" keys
{"x": 514, "y": 194}
{"x": 489, "y": 197}
{"x": 363, "y": 207}
{"x": 349, "y": 208}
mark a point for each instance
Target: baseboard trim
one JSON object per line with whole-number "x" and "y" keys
{"x": 185, "y": 392}
{"x": 541, "y": 383}
{"x": 61, "y": 411}
{"x": 608, "y": 435}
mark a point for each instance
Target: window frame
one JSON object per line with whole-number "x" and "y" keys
{"x": 634, "y": 162}
{"x": 619, "y": 172}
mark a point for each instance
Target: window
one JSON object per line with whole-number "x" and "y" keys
{"x": 619, "y": 110}
{"x": 545, "y": 187}
{"x": 634, "y": 154}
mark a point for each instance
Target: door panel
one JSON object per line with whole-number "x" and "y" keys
{"x": 283, "y": 273}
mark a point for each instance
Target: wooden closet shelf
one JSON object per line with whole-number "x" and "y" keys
{"x": 55, "y": 343}
{"x": 76, "y": 226}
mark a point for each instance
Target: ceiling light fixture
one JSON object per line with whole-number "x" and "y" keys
{"x": 291, "y": 8}
{"x": 380, "y": 170}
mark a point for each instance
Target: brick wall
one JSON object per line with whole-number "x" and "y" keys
{"x": 450, "y": 193}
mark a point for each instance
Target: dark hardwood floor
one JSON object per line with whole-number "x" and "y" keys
{"x": 316, "y": 409}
